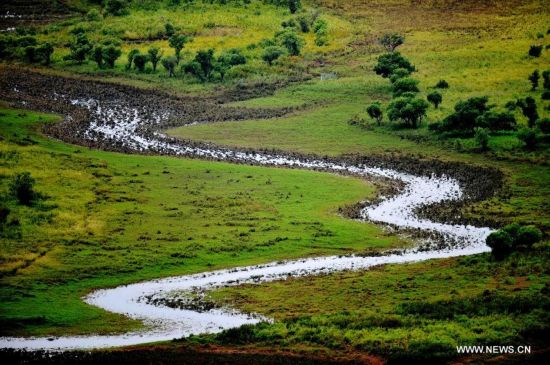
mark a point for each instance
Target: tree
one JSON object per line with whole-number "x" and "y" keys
{"x": 465, "y": 115}
{"x": 169, "y": 64}
{"x": 389, "y": 62}
{"x": 528, "y": 107}
{"x": 390, "y": 41}
{"x": 534, "y": 78}
{"x": 154, "y": 56}
{"x": 80, "y": 49}
{"x": 130, "y": 58}
{"x": 546, "y": 79}
{"x": 320, "y": 28}
{"x": 511, "y": 238}
{"x": 271, "y": 54}
{"x": 399, "y": 74}
{"x": 409, "y": 110}
{"x": 116, "y": 7}
{"x": 22, "y": 188}
{"x": 529, "y": 137}
{"x": 442, "y": 84}
{"x": 294, "y": 5}
{"x": 97, "y": 55}
{"x": 500, "y": 243}
{"x": 110, "y": 54}
{"x": 177, "y": 42}
{"x": 535, "y": 51}
{"x": 544, "y": 125}
{"x": 169, "y": 30}
{"x": 140, "y": 60}
{"x": 435, "y": 98}
{"x": 495, "y": 121}
{"x": 375, "y": 112}
{"x": 290, "y": 41}
{"x": 231, "y": 58}
{"x": 205, "y": 58}
{"x": 405, "y": 85}
{"x": 44, "y": 53}
{"x": 482, "y": 138}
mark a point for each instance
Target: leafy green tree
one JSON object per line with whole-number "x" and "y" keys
{"x": 116, "y": 7}
{"x": 29, "y": 53}
{"x": 154, "y": 56}
{"x": 320, "y": 28}
{"x": 544, "y": 125}
{"x": 389, "y": 62}
{"x": 44, "y": 53}
{"x": 390, "y": 41}
{"x": 169, "y": 30}
{"x": 169, "y": 64}
{"x": 294, "y": 5}
{"x": 93, "y": 15}
{"x": 97, "y": 55}
{"x": 405, "y": 85}
{"x": 130, "y": 58}
{"x": 231, "y": 58}
{"x": 529, "y": 137}
{"x": 534, "y": 78}
{"x": 22, "y": 188}
{"x": 528, "y": 107}
{"x": 271, "y": 54}
{"x": 435, "y": 98}
{"x": 546, "y": 79}
{"x": 482, "y": 138}
{"x": 495, "y": 121}
{"x": 375, "y": 112}
{"x": 500, "y": 243}
{"x": 80, "y": 49}
{"x": 535, "y": 51}
{"x": 205, "y": 58}
{"x": 110, "y": 54}
{"x": 399, "y": 74}
{"x": 177, "y": 42}
{"x": 140, "y": 60}
{"x": 465, "y": 115}
{"x": 442, "y": 84}
{"x": 290, "y": 41}
{"x": 409, "y": 110}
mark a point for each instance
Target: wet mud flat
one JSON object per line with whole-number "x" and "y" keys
{"x": 131, "y": 120}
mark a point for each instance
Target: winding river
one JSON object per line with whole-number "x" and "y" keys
{"x": 144, "y": 301}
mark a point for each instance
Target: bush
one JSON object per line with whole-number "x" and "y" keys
{"x": 390, "y": 41}
{"x": 534, "y": 79}
{"x": 169, "y": 64}
{"x": 435, "y": 98}
{"x": 110, "y": 54}
{"x": 389, "y": 62}
{"x": 44, "y": 53}
{"x": 169, "y": 30}
{"x": 500, "y": 243}
{"x": 528, "y": 107}
{"x": 140, "y": 60}
{"x": 409, "y": 110}
{"x": 294, "y": 5}
{"x": 93, "y": 15}
{"x": 399, "y": 74}
{"x": 271, "y": 54}
{"x": 513, "y": 237}
{"x": 232, "y": 57}
{"x": 320, "y": 28}
{"x": 544, "y": 125}
{"x": 528, "y": 137}
{"x": 535, "y": 51}
{"x": 375, "y": 112}
{"x": 545, "y": 95}
{"x": 546, "y": 79}
{"x": 290, "y": 41}
{"x": 22, "y": 188}
{"x": 80, "y": 49}
{"x": 178, "y": 42}
{"x": 154, "y": 56}
{"x": 442, "y": 84}
{"x": 405, "y": 85}
{"x": 495, "y": 121}
{"x": 465, "y": 115}
{"x": 482, "y": 138}
{"x": 130, "y": 58}
{"x": 116, "y": 7}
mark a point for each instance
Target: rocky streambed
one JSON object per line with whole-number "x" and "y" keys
{"x": 127, "y": 119}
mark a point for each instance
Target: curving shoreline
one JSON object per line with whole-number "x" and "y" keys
{"x": 135, "y": 128}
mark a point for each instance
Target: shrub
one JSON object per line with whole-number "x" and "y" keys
{"x": 290, "y": 41}
{"x": 154, "y": 56}
{"x": 93, "y": 15}
{"x": 534, "y": 79}
{"x": 80, "y": 49}
{"x": 535, "y": 51}
{"x": 389, "y": 62}
{"x": 375, "y": 112}
{"x": 442, "y": 84}
{"x": 409, "y": 110}
{"x": 97, "y": 55}
{"x": 169, "y": 64}
{"x": 545, "y": 95}
{"x": 44, "y": 53}
{"x": 140, "y": 60}
{"x": 399, "y": 74}
{"x": 390, "y": 41}
{"x": 544, "y": 125}
{"x": 482, "y": 138}
{"x": 130, "y": 58}
{"x": 4, "y": 213}
{"x": 495, "y": 121}
{"x": 231, "y": 58}
{"x": 405, "y": 85}
{"x": 465, "y": 115}
{"x": 435, "y": 98}
{"x": 546, "y": 79}
{"x": 527, "y": 236}
{"x": 22, "y": 188}
{"x": 528, "y": 137}
{"x": 169, "y": 30}
{"x": 177, "y": 42}
{"x": 110, "y": 54}
{"x": 271, "y": 54}
{"x": 529, "y": 109}
{"x": 116, "y": 7}
{"x": 303, "y": 22}
{"x": 320, "y": 28}
{"x": 500, "y": 243}
{"x": 294, "y": 5}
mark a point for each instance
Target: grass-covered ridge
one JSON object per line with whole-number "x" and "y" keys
{"x": 108, "y": 219}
